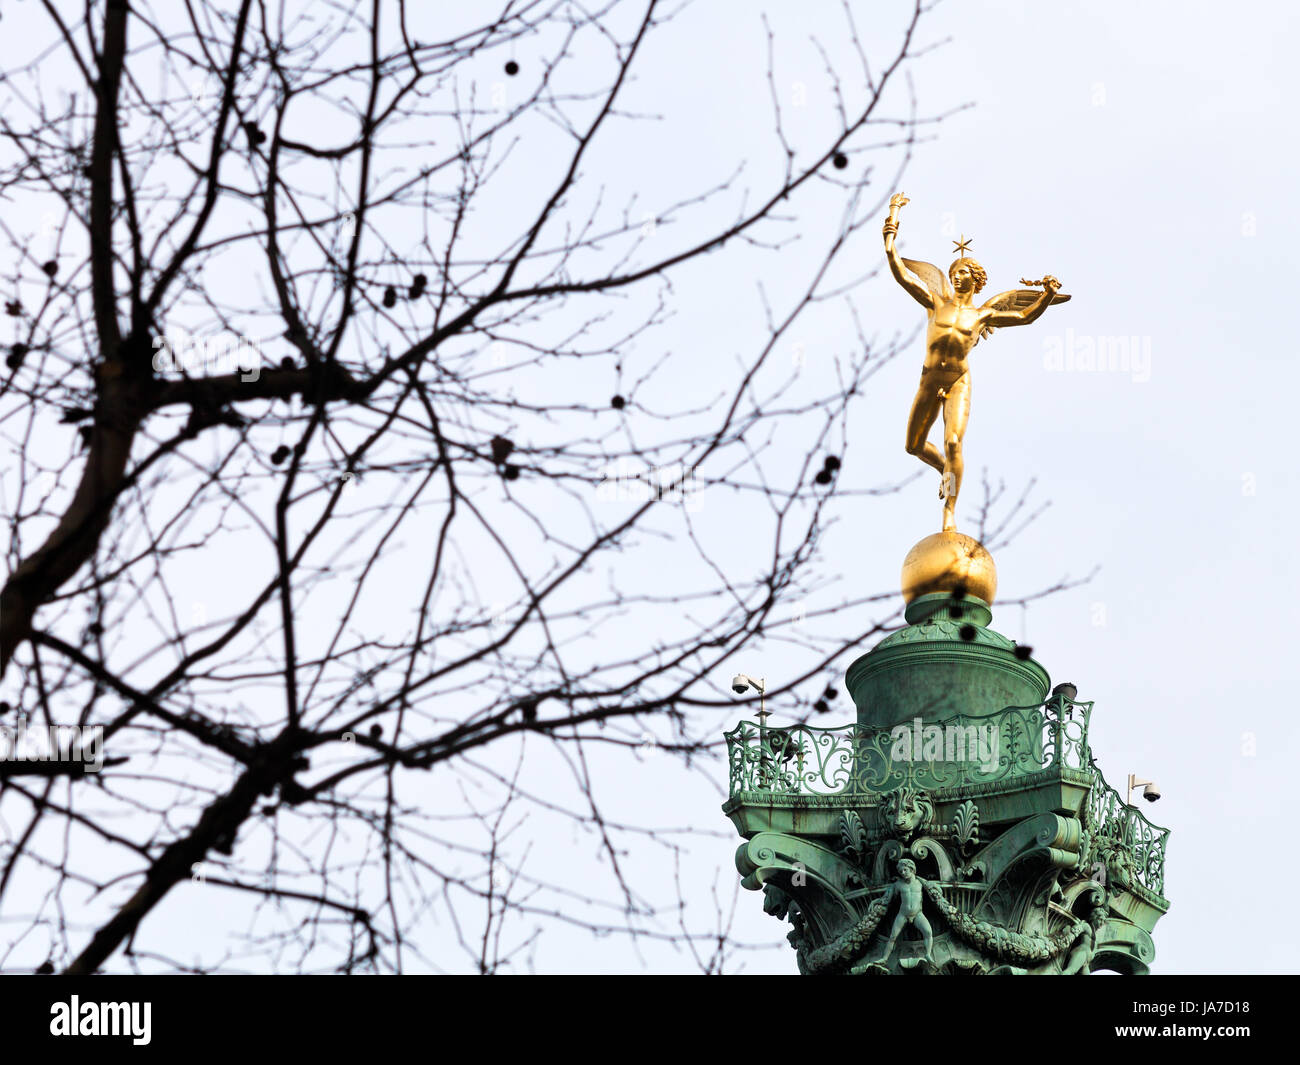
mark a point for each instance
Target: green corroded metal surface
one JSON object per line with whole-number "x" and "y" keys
{"x": 892, "y": 851}
{"x": 1132, "y": 847}
{"x": 948, "y": 661}
{"x": 855, "y": 761}
{"x": 860, "y": 765}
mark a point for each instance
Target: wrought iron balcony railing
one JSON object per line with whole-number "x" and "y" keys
{"x": 1126, "y": 845}
{"x": 853, "y": 761}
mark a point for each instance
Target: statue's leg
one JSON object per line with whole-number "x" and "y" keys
{"x": 900, "y": 922}
{"x": 956, "y": 412}
{"x": 925, "y": 409}
{"x": 926, "y": 932}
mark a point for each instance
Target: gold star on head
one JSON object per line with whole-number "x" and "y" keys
{"x": 963, "y": 245}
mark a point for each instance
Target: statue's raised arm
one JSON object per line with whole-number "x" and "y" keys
{"x": 924, "y": 282}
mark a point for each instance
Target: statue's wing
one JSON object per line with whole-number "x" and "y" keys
{"x": 1016, "y": 299}
{"x": 933, "y": 278}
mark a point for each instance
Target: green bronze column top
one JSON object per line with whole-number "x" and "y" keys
{"x": 947, "y": 605}
{"x": 945, "y": 661}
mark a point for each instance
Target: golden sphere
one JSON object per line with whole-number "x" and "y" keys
{"x": 948, "y": 561}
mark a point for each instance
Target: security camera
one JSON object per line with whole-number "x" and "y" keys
{"x": 1149, "y": 790}
{"x": 739, "y": 684}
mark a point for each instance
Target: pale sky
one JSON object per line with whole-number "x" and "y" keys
{"x": 1145, "y": 155}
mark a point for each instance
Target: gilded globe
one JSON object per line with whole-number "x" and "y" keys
{"x": 947, "y": 562}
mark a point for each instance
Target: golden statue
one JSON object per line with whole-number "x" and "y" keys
{"x": 955, "y": 327}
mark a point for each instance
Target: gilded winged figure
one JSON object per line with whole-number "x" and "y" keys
{"x": 955, "y": 326}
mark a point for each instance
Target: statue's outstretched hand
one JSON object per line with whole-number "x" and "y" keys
{"x": 897, "y": 200}
{"x": 1047, "y": 281}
